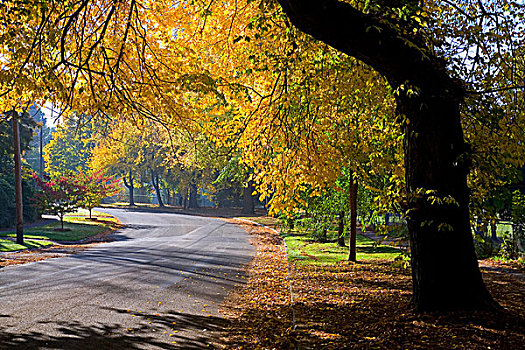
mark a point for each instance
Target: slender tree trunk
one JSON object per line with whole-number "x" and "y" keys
{"x": 156, "y": 185}
{"x": 341, "y": 230}
{"x": 185, "y": 198}
{"x": 493, "y": 228}
{"x": 130, "y": 187}
{"x": 18, "y": 181}
{"x": 324, "y": 236}
{"x": 436, "y": 156}
{"x": 247, "y": 199}
{"x": 90, "y": 217}
{"x": 352, "y": 251}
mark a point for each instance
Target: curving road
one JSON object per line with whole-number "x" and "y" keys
{"x": 157, "y": 286}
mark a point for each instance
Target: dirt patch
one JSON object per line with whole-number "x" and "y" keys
{"x": 359, "y": 306}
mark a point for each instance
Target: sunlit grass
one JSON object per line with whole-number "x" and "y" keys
{"x": 304, "y": 250}
{"x": 77, "y": 224}
{"x": 9, "y": 246}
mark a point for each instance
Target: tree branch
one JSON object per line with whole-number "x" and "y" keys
{"x": 400, "y": 58}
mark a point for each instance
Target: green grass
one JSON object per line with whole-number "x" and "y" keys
{"x": 80, "y": 228}
{"x": 303, "y": 250}
{"x": 9, "y": 246}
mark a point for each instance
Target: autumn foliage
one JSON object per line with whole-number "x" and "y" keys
{"x": 64, "y": 194}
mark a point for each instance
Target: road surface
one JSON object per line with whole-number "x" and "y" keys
{"x": 157, "y": 286}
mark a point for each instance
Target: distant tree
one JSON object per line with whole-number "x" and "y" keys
{"x": 34, "y": 154}
{"x": 60, "y": 195}
{"x": 70, "y": 148}
{"x": 95, "y": 185}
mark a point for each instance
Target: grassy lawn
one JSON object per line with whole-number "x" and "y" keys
{"x": 78, "y": 224}
{"x": 303, "y": 250}
{"x": 9, "y": 246}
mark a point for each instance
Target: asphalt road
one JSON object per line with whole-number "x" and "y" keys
{"x": 157, "y": 286}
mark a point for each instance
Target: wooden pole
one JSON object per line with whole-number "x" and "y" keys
{"x": 42, "y": 150}
{"x": 18, "y": 181}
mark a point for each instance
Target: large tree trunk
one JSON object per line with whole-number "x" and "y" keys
{"x": 248, "y": 206}
{"x": 445, "y": 271}
{"x": 18, "y": 181}
{"x": 444, "y": 265}
{"x": 129, "y": 185}
{"x": 352, "y": 251}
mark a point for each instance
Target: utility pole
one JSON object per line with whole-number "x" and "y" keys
{"x": 18, "y": 180}
{"x": 42, "y": 146}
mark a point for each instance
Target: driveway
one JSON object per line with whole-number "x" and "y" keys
{"x": 157, "y": 286}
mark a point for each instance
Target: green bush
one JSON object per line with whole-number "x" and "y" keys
{"x": 513, "y": 243}
{"x": 8, "y": 204}
{"x": 316, "y": 226}
{"x": 31, "y": 212}
{"x": 485, "y": 248}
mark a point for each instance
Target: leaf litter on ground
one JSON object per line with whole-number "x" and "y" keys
{"x": 364, "y": 305}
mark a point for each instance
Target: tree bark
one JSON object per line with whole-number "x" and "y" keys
{"x": 324, "y": 236}
{"x": 445, "y": 271}
{"x": 156, "y": 184}
{"x": 493, "y": 228}
{"x": 18, "y": 180}
{"x": 192, "y": 202}
{"x": 352, "y": 251}
{"x": 130, "y": 187}
{"x": 341, "y": 230}
{"x": 248, "y": 206}
{"x": 185, "y": 198}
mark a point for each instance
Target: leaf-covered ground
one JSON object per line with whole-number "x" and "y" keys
{"x": 359, "y": 306}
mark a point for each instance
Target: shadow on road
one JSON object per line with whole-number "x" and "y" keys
{"x": 171, "y": 330}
